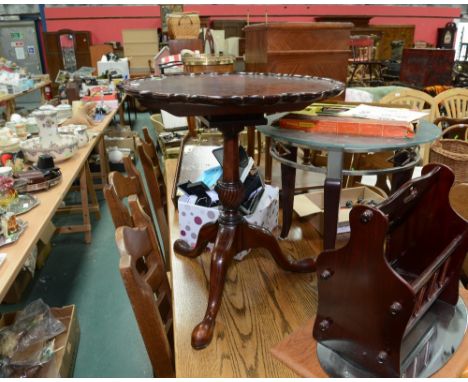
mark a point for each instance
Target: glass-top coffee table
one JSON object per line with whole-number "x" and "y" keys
{"x": 337, "y": 146}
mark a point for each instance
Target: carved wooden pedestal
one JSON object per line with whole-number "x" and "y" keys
{"x": 231, "y": 233}
{"x": 231, "y": 101}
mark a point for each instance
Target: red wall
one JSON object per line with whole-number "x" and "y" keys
{"x": 106, "y": 23}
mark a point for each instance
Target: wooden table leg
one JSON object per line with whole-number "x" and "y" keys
{"x": 86, "y": 226}
{"x": 288, "y": 183}
{"x": 231, "y": 234}
{"x": 401, "y": 177}
{"x": 268, "y": 160}
{"x": 92, "y": 192}
{"x": 251, "y": 141}
{"x": 259, "y": 147}
{"x": 84, "y": 203}
{"x": 122, "y": 114}
{"x": 103, "y": 162}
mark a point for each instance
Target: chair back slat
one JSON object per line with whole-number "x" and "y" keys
{"x": 122, "y": 187}
{"x": 157, "y": 189}
{"x": 143, "y": 273}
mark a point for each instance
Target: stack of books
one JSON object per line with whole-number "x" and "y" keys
{"x": 363, "y": 120}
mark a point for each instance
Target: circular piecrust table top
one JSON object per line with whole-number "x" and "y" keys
{"x": 231, "y": 93}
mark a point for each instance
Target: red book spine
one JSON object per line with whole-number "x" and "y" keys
{"x": 342, "y": 127}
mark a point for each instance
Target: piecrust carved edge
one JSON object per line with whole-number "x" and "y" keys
{"x": 130, "y": 87}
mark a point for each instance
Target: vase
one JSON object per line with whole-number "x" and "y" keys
{"x": 47, "y": 125}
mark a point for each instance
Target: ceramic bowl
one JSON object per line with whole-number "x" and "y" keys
{"x": 63, "y": 112}
{"x": 79, "y": 131}
{"x": 31, "y": 125}
{"x": 61, "y": 149}
{"x": 10, "y": 145}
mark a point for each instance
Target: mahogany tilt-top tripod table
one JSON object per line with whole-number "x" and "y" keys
{"x": 229, "y": 102}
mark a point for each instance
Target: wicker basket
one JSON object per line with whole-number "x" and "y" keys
{"x": 183, "y": 25}
{"x": 454, "y": 154}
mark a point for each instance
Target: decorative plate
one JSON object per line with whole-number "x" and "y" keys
{"x": 14, "y": 236}
{"x": 22, "y": 204}
{"x": 22, "y": 186}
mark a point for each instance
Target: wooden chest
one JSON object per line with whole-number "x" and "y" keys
{"x": 318, "y": 49}
{"x": 427, "y": 67}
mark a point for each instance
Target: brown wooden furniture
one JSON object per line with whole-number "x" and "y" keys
{"x": 336, "y": 147}
{"x": 156, "y": 185}
{"x": 259, "y": 308}
{"x": 81, "y": 41}
{"x": 316, "y": 49}
{"x": 175, "y": 46}
{"x": 427, "y": 67}
{"x": 408, "y": 253}
{"x": 299, "y": 352}
{"x": 122, "y": 186}
{"x": 230, "y": 102}
{"x": 143, "y": 273}
{"x": 97, "y": 51}
{"x": 386, "y": 33}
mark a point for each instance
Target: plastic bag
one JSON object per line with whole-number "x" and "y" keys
{"x": 26, "y": 344}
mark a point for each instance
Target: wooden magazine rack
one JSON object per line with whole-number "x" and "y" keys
{"x": 401, "y": 258}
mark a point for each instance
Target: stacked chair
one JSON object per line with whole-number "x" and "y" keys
{"x": 143, "y": 266}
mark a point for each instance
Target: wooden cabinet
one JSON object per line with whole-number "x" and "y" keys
{"x": 318, "y": 49}
{"x": 67, "y": 50}
{"x": 427, "y": 67}
{"x": 232, "y": 28}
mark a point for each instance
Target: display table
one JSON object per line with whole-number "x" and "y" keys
{"x": 9, "y": 99}
{"x": 336, "y": 146}
{"x": 49, "y": 203}
{"x": 229, "y": 102}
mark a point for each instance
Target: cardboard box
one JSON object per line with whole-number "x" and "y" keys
{"x": 63, "y": 364}
{"x": 192, "y": 217}
{"x": 141, "y": 49}
{"x": 140, "y": 36}
{"x": 312, "y": 203}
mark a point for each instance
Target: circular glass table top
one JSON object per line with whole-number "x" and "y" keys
{"x": 230, "y": 93}
{"x": 425, "y": 132}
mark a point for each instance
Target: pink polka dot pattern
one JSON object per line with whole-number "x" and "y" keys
{"x": 182, "y": 233}
{"x": 198, "y": 220}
